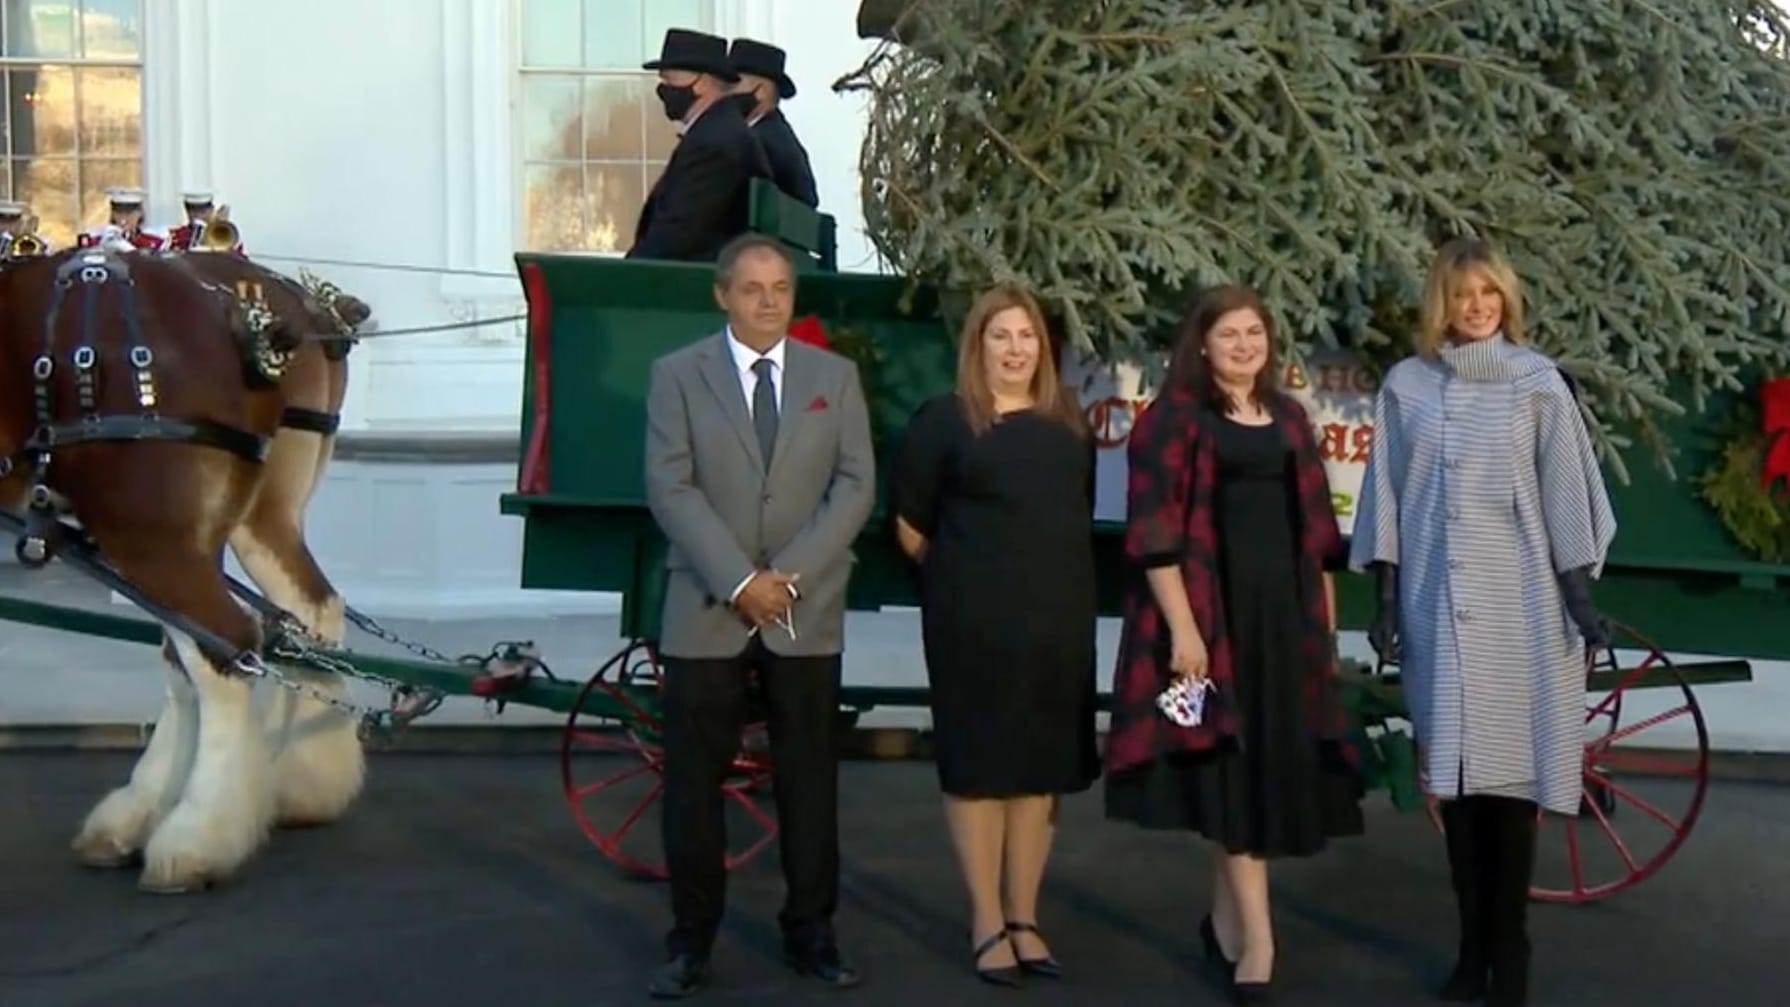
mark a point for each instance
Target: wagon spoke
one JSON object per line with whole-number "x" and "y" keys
{"x": 1646, "y": 808}
{"x": 601, "y": 742}
{"x": 1638, "y": 726}
{"x": 1645, "y": 765}
{"x": 639, "y": 810}
{"x": 589, "y": 790}
{"x": 1615, "y": 840}
{"x": 1572, "y": 857}
{"x": 1615, "y": 695}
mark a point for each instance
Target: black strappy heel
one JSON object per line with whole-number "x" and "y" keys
{"x": 1007, "y": 975}
{"x": 1048, "y": 966}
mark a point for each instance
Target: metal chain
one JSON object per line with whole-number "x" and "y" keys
{"x": 370, "y": 626}
{"x": 290, "y": 643}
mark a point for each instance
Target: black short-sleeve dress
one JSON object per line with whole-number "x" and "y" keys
{"x": 1008, "y": 598}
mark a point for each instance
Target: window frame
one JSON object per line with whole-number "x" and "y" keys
{"x": 75, "y": 64}
{"x": 720, "y": 16}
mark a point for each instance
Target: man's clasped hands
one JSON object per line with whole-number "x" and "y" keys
{"x": 769, "y": 598}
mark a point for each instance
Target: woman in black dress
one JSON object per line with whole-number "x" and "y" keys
{"x": 993, "y": 501}
{"x": 1231, "y": 523}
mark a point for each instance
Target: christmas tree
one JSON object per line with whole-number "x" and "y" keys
{"x": 1631, "y": 156}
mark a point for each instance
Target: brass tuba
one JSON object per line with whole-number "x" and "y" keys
{"x": 219, "y": 235}
{"x": 27, "y": 245}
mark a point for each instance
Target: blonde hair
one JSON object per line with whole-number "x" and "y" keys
{"x": 1049, "y": 397}
{"x": 1457, "y": 260}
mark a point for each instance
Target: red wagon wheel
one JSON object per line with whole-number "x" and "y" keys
{"x": 1644, "y": 786}
{"x": 612, "y": 768}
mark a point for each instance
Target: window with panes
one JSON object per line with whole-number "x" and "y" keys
{"x": 71, "y": 91}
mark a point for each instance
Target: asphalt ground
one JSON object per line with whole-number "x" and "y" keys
{"x": 461, "y": 881}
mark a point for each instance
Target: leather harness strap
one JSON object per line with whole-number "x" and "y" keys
{"x": 295, "y": 418}
{"x": 93, "y": 270}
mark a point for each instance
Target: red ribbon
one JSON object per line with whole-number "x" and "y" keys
{"x": 1774, "y": 396}
{"x": 808, "y": 329}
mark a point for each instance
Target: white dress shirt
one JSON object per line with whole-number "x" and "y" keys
{"x": 743, "y": 358}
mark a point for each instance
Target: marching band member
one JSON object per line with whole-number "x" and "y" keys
{"x": 12, "y": 223}
{"x": 124, "y": 230}
{"x": 200, "y": 212}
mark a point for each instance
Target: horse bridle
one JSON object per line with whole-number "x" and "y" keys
{"x": 91, "y": 271}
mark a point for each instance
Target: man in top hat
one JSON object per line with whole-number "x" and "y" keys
{"x": 701, "y": 200}
{"x": 124, "y": 230}
{"x": 762, "y": 88}
{"x": 199, "y": 208}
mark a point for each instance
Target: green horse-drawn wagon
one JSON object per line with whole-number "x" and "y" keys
{"x": 596, "y": 325}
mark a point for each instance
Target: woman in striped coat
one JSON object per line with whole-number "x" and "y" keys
{"x": 1484, "y": 516}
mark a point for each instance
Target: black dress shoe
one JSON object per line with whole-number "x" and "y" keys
{"x": 1048, "y": 966}
{"x": 680, "y": 977}
{"x": 823, "y": 962}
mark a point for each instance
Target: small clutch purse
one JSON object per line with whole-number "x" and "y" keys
{"x": 1184, "y": 702}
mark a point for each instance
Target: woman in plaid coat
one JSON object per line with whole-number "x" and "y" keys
{"x": 1230, "y": 531}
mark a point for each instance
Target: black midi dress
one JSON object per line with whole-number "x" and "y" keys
{"x": 1007, "y": 598}
{"x": 1274, "y": 790}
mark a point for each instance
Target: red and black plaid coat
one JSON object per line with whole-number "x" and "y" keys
{"x": 1173, "y": 472}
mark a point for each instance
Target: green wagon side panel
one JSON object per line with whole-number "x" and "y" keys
{"x": 1673, "y": 573}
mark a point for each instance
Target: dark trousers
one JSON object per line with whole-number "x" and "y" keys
{"x": 1491, "y": 860}
{"x": 705, "y": 711}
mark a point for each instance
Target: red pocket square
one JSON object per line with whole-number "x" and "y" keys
{"x": 818, "y": 405}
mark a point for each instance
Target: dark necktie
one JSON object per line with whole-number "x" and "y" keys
{"x": 764, "y": 410}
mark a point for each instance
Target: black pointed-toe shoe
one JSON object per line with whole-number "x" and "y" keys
{"x": 682, "y": 976}
{"x": 1006, "y": 975}
{"x": 1047, "y": 967}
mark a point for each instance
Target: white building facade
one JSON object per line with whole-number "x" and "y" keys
{"x": 404, "y": 149}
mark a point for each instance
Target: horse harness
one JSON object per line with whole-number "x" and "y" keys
{"x": 91, "y": 272}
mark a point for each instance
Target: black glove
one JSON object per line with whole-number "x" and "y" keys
{"x": 1575, "y": 591}
{"x": 1382, "y": 633}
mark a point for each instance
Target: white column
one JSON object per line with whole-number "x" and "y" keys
{"x": 479, "y": 156}
{"x": 179, "y": 36}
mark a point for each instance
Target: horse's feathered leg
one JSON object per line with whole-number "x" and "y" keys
{"x": 225, "y": 808}
{"x": 319, "y": 765}
{"x": 118, "y": 827}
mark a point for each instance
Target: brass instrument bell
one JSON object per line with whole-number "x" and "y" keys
{"x": 219, "y": 234}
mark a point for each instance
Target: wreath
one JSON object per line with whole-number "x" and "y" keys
{"x": 1748, "y": 485}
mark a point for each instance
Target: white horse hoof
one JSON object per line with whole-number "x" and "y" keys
{"x": 189, "y": 852}
{"x": 115, "y": 830}
{"x": 101, "y": 854}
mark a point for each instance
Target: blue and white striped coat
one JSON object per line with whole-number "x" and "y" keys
{"x": 1482, "y": 486}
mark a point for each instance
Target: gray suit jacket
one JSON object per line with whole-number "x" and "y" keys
{"x": 725, "y": 516}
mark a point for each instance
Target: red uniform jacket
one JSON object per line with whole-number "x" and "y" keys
{"x": 140, "y": 239}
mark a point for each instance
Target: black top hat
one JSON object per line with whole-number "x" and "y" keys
{"x": 763, "y": 60}
{"x": 693, "y": 51}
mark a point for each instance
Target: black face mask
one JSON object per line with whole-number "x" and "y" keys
{"x": 746, "y": 101}
{"x": 677, "y": 100}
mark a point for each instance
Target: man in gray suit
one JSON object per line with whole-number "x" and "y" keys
{"x": 759, "y": 471}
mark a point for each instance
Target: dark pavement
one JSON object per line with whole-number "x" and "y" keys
{"x": 461, "y": 881}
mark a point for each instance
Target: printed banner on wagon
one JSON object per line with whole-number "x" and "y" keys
{"x": 1336, "y": 390}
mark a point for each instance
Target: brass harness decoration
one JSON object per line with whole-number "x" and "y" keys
{"x": 264, "y": 363}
